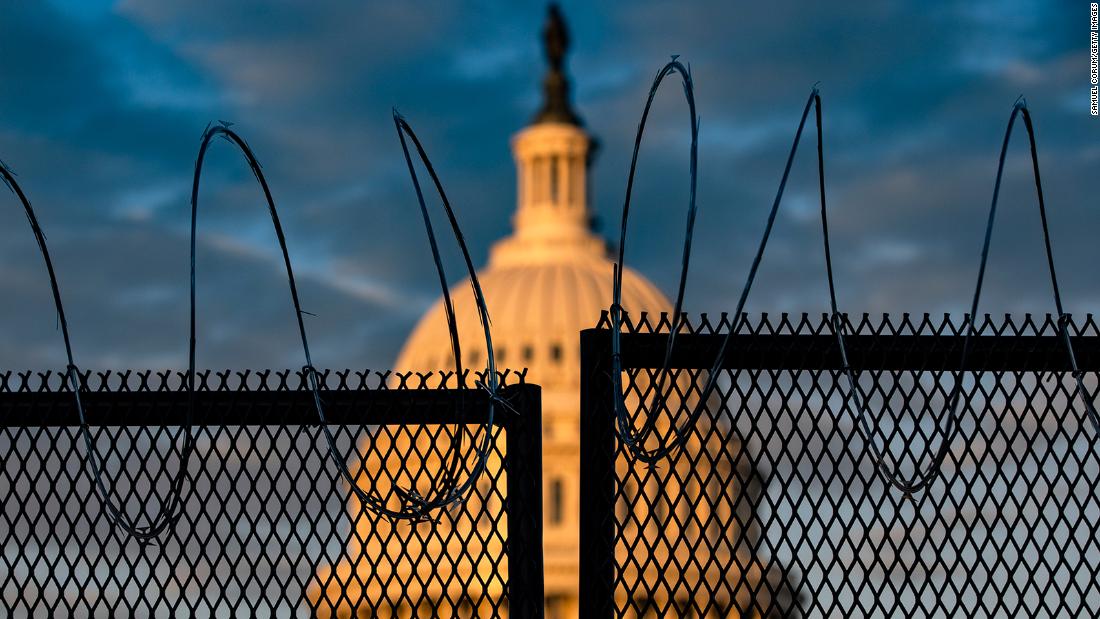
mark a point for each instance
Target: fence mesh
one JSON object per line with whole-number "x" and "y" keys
{"x": 774, "y": 506}
{"x": 268, "y": 527}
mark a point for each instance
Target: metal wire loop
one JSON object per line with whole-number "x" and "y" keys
{"x": 116, "y": 514}
{"x": 926, "y": 477}
{"x": 634, "y": 441}
{"x": 1020, "y": 109}
{"x": 413, "y": 506}
{"x": 447, "y": 489}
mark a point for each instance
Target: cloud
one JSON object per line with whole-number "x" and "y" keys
{"x": 106, "y": 103}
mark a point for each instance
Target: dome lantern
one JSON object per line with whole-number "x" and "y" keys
{"x": 552, "y": 155}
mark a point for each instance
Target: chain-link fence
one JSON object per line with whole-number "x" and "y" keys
{"x": 268, "y": 528}
{"x": 775, "y": 505}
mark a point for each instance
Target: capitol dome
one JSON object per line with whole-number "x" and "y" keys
{"x": 538, "y": 306}
{"x": 543, "y": 285}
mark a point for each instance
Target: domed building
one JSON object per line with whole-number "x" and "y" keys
{"x": 543, "y": 285}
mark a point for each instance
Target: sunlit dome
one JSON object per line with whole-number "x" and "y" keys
{"x": 539, "y": 299}
{"x": 543, "y": 285}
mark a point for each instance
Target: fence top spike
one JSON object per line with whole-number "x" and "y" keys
{"x": 1089, "y": 324}
{"x": 605, "y": 320}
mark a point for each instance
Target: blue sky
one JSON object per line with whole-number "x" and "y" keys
{"x": 102, "y": 105}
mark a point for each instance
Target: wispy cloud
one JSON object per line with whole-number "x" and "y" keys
{"x": 105, "y": 103}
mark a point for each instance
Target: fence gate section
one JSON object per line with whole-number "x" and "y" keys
{"x": 776, "y": 505}
{"x": 267, "y": 527}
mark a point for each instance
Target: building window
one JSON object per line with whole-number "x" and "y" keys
{"x": 528, "y": 352}
{"x": 537, "y": 186}
{"x": 555, "y": 352}
{"x": 557, "y": 501}
{"x": 557, "y": 607}
{"x": 555, "y": 181}
{"x": 575, "y": 180}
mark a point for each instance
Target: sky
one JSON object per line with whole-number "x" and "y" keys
{"x": 102, "y": 105}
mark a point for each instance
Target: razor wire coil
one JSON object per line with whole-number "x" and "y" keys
{"x": 636, "y": 440}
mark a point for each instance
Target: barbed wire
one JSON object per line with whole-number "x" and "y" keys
{"x": 1063, "y": 319}
{"x": 921, "y": 479}
{"x": 635, "y": 441}
{"x": 116, "y": 513}
{"x": 881, "y": 456}
{"x": 447, "y": 490}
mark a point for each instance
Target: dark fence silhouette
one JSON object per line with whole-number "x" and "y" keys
{"x": 820, "y": 467}
{"x": 828, "y": 467}
{"x": 200, "y": 494}
{"x": 774, "y": 503}
{"x": 267, "y": 526}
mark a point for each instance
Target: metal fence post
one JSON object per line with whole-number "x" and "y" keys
{"x": 523, "y": 450}
{"x": 597, "y": 518}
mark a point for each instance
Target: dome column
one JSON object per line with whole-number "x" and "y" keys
{"x": 551, "y": 179}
